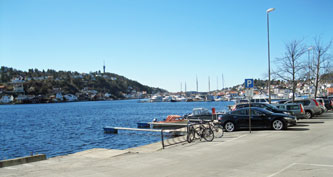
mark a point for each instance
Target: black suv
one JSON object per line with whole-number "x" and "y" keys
{"x": 264, "y": 106}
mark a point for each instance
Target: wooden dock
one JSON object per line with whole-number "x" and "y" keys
{"x": 175, "y": 132}
{"x": 164, "y": 125}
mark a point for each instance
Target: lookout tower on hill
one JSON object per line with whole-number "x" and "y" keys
{"x": 104, "y": 67}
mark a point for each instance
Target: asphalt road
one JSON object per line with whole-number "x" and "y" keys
{"x": 301, "y": 151}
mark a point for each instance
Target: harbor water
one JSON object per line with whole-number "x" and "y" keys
{"x": 65, "y": 128}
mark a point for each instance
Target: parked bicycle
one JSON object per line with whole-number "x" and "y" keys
{"x": 217, "y": 129}
{"x": 199, "y": 131}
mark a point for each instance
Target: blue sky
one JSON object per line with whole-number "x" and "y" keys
{"x": 159, "y": 43}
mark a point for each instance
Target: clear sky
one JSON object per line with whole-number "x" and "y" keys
{"x": 159, "y": 43}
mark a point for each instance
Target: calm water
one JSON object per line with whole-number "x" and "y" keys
{"x": 64, "y": 128}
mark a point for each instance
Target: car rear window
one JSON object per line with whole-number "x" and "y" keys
{"x": 241, "y": 106}
{"x": 292, "y": 107}
{"x": 304, "y": 102}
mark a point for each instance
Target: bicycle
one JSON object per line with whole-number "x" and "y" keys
{"x": 199, "y": 132}
{"x": 217, "y": 129}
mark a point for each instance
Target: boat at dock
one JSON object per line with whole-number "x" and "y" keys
{"x": 156, "y": 98}
{"x": 172, "y": 121}
{"x": 202, "y": 114}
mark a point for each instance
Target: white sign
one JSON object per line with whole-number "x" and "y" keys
{"x": 249, "y": 92}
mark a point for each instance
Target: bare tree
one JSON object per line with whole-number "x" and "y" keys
{"x": 290, "y": 65}
{"x": 322, "y": 61}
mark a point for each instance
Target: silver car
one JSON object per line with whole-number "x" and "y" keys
{"x": 311, "y": 107}
{"x": 322, "y": 104}
{"x": 296, "y": 108}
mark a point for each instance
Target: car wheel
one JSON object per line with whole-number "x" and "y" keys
{"x": 278, "y": 125}
{"x": 229, "y": 126}
{"x": 308, "y": 114}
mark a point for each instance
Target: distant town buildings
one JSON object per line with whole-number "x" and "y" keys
{"x": 48, "y": 88}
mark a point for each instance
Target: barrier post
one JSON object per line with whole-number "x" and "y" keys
{"x": 162, "y": 138}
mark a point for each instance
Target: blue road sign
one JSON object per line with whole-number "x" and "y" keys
{"x": 249, "y": 83}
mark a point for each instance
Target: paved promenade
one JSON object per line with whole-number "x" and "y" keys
{"x": 301, "y": 151}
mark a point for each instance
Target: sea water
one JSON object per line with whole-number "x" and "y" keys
{"x": 64, "y": 128}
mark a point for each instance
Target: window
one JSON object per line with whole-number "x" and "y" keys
{"x": 241, "y": 112}
{"x": 242, "y": 106}
{"x": 261, "y": 106}
{"x": 306, "y": 102}
{"x": 256, "y": 112}
{"x": 293, "y": 107}
{"x": 196, "y": 112}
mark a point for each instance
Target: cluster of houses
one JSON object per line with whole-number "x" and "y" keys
{"x": 16, "y": 93}
{"x": 238, "y": 93}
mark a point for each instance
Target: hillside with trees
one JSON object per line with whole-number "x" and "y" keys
{"x": 50, "y": 82}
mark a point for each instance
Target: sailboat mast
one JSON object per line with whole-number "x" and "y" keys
{"x": 208, "y": 84}
{"x": 181, "y": 87}
{"x": 222, "y": 82}
{"x": 197, "y": 84}
{"x": 217, "y": 83}
{"x": 185, "y": 87}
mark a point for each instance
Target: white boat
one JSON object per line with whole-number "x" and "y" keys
{"x": 70, "y": 97}
{"x": 156, "y": 98}
{"x": 167, "y": 99}
{"x": 180, "y": 98}
{"x": 7, "y": 99}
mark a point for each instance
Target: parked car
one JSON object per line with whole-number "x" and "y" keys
{"x": 259, "y": 100}
{"x": 277, "y": 101}
{"x": 296, "y": 108}
{"x": 267, "y": 106}
{"x": 328, "y": 103}
{"x": 311, "y": 107}
{"x": 321, "y": 104}
{"x": 260, "y": 118}
{"x": 282, "y": 101}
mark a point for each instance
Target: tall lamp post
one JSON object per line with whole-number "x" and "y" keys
{"x": 269, "y": 57}
{"x": 309, "y": 74}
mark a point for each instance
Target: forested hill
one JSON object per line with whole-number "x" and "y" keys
{"x": 48, "y": 82}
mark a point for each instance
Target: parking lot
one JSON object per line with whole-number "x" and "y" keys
{"x": 303, "y": 150}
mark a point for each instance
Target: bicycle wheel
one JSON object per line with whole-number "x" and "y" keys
{"x": 190, "y": 134}
{"x": 208, "y": 134}
{"x": 218, "y": 130}
{"x": 198, "y": 133}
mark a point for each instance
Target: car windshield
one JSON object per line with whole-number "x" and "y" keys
{"x": 263, "y": 110}
{"x": 271, "y": 106}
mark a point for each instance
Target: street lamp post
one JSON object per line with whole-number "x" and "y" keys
{"x": 269, "y": 59}
{"x": 309, "y": 74}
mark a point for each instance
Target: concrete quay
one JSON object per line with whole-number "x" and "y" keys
{"x": 301, "y": 151}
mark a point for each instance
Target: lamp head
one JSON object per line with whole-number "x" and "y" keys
{"x": 270, "y": 10}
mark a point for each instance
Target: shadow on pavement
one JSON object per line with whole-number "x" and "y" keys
{"x": 311, "y": 122}
{"x": 327, "y": 118}
{"x": 301, "y": 125}
{"x": 297, "y": 129}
